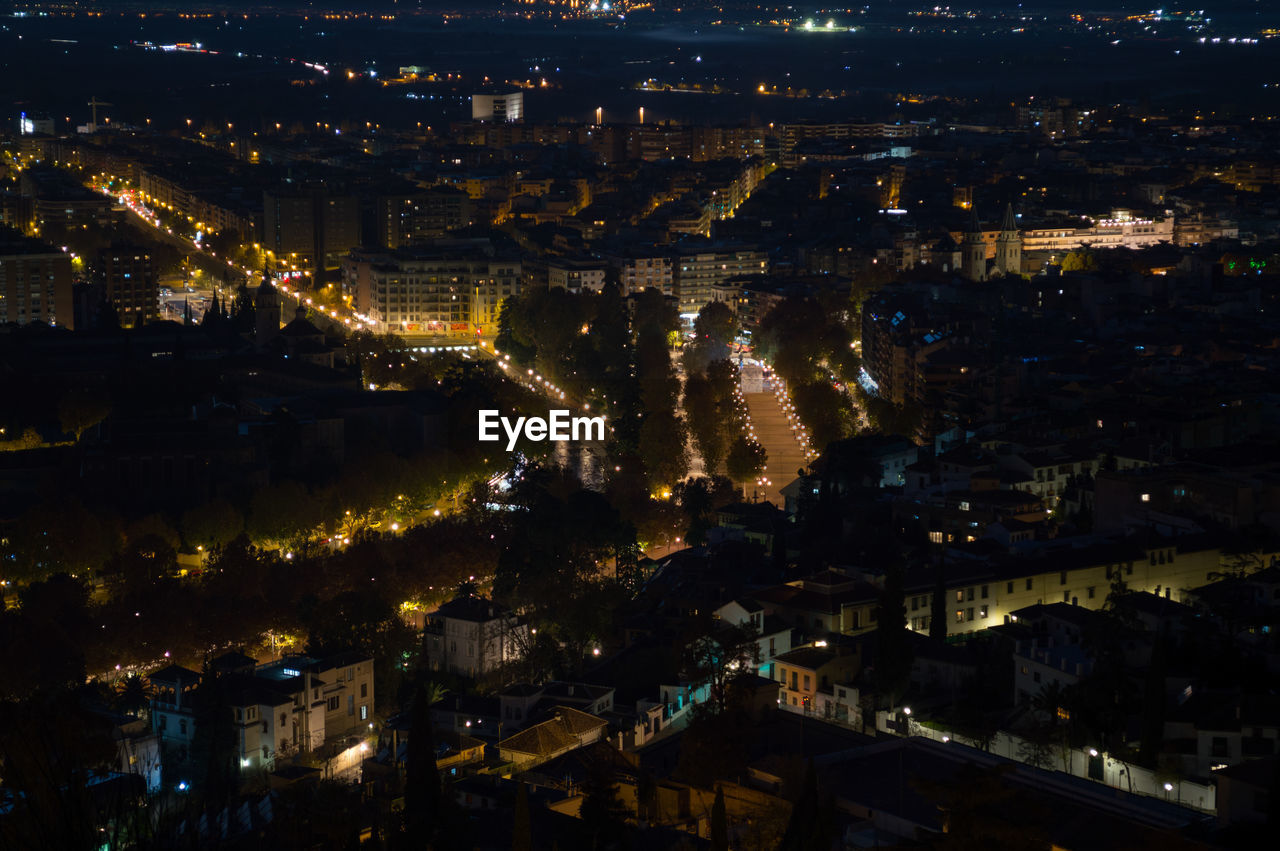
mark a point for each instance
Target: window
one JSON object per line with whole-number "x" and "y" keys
{"x": 968, "y": 614}
{"x": 364, "y": 712}
{"x": 1220, "y": 746}
{"x": 1062, "y": 578}
{"x": 1009, "y": 588}
{"x": 182, "y": 725}
{"x": 795, "y": 681}
{"x": 964, "y": 505}
{"x": 985, "y": 593}
{"x": 1028, "y": 583}
{"x": 364, "y": 690}
{"x": 351, "y": 704}
{"x": 960, "y": 596}
{"x": 1035, "y": 677}
{"x": 333, "y": 703}
{"x": 915, "y": 604}
{"x": 982, "y": 612}
{"x": 806, "y": 682}
{"x": 1090, "y": 591}
{"x": 959, "y": 615}
{"x": 1066, "y": 596}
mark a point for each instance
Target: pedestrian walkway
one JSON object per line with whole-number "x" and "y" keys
{"x": 776, "y": 432}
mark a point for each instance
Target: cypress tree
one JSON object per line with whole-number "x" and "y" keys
{"x": 522, "y": 827}
{"x": 422, "y": 779}
{"x": 719, "y": 824}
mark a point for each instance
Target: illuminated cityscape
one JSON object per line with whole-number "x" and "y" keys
{"x": 536, "y": 424}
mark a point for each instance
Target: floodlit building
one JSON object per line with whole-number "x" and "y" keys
{"x": 699, "y": 270}
{"x": 1121, "y": 230}
{"x": 498, "y": 108}
{"x": 290, "y": 706}
{"x": 472, "y": 636}
{"x": 447, "y": 288}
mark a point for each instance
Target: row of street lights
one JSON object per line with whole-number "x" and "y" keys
{"x": 798, "y": 430}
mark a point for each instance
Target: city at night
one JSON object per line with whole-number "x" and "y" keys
{"x": 613, "y": 425}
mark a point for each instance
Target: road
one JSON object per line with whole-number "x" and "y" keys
{"x": 777, "y": 432}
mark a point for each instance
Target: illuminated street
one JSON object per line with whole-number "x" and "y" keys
{"x": 778, "y": 434}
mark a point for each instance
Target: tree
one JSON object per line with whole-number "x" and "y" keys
{"x": 280, "y": 513}
{"x": 1080, "y": 261}
{"x": 1152, "y": 734}
{"x": 214, "y": 743}
{"x": 825, "y": 411}
{"x": 719, "y": 823}
{"x": 716, "y": 654}
{"x": 707, "y": 421}
{"x": 422, "y": 790}
{"x": 938, "y": 604}
{"x": 53, "y": 750}
{"x": 811, "y": 826}
{"x": 82, "y": 409}
{"x": 714, "y": 330}
{"x": 522, "y": 825}
{"x": 212, "y": 525}
{"x": 698, "y": 498}
{"x": 662, "y": 448}
{"x": 746, "y": 459}
{"x": 893, "y": 650}
{"x": 602, "y": 812}
{"x": 133, "y": 694}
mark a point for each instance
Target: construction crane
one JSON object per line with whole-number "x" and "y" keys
{"x": 94, "y": 103}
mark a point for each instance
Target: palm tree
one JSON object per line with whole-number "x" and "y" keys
{"x": 133, "y": 695}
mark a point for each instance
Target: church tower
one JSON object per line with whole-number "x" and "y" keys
{"x": 973, "y": 251}
{"x": 266, "y": 313}
{"x": 1009, "y": 245}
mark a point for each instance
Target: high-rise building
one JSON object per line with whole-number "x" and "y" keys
{"x": 310, "y": 228}
{"x": 130, "y": 284}
{"x": 498, "y": 108}
{"x": 410, "y": 219}
{"x": 35, "y": 281}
